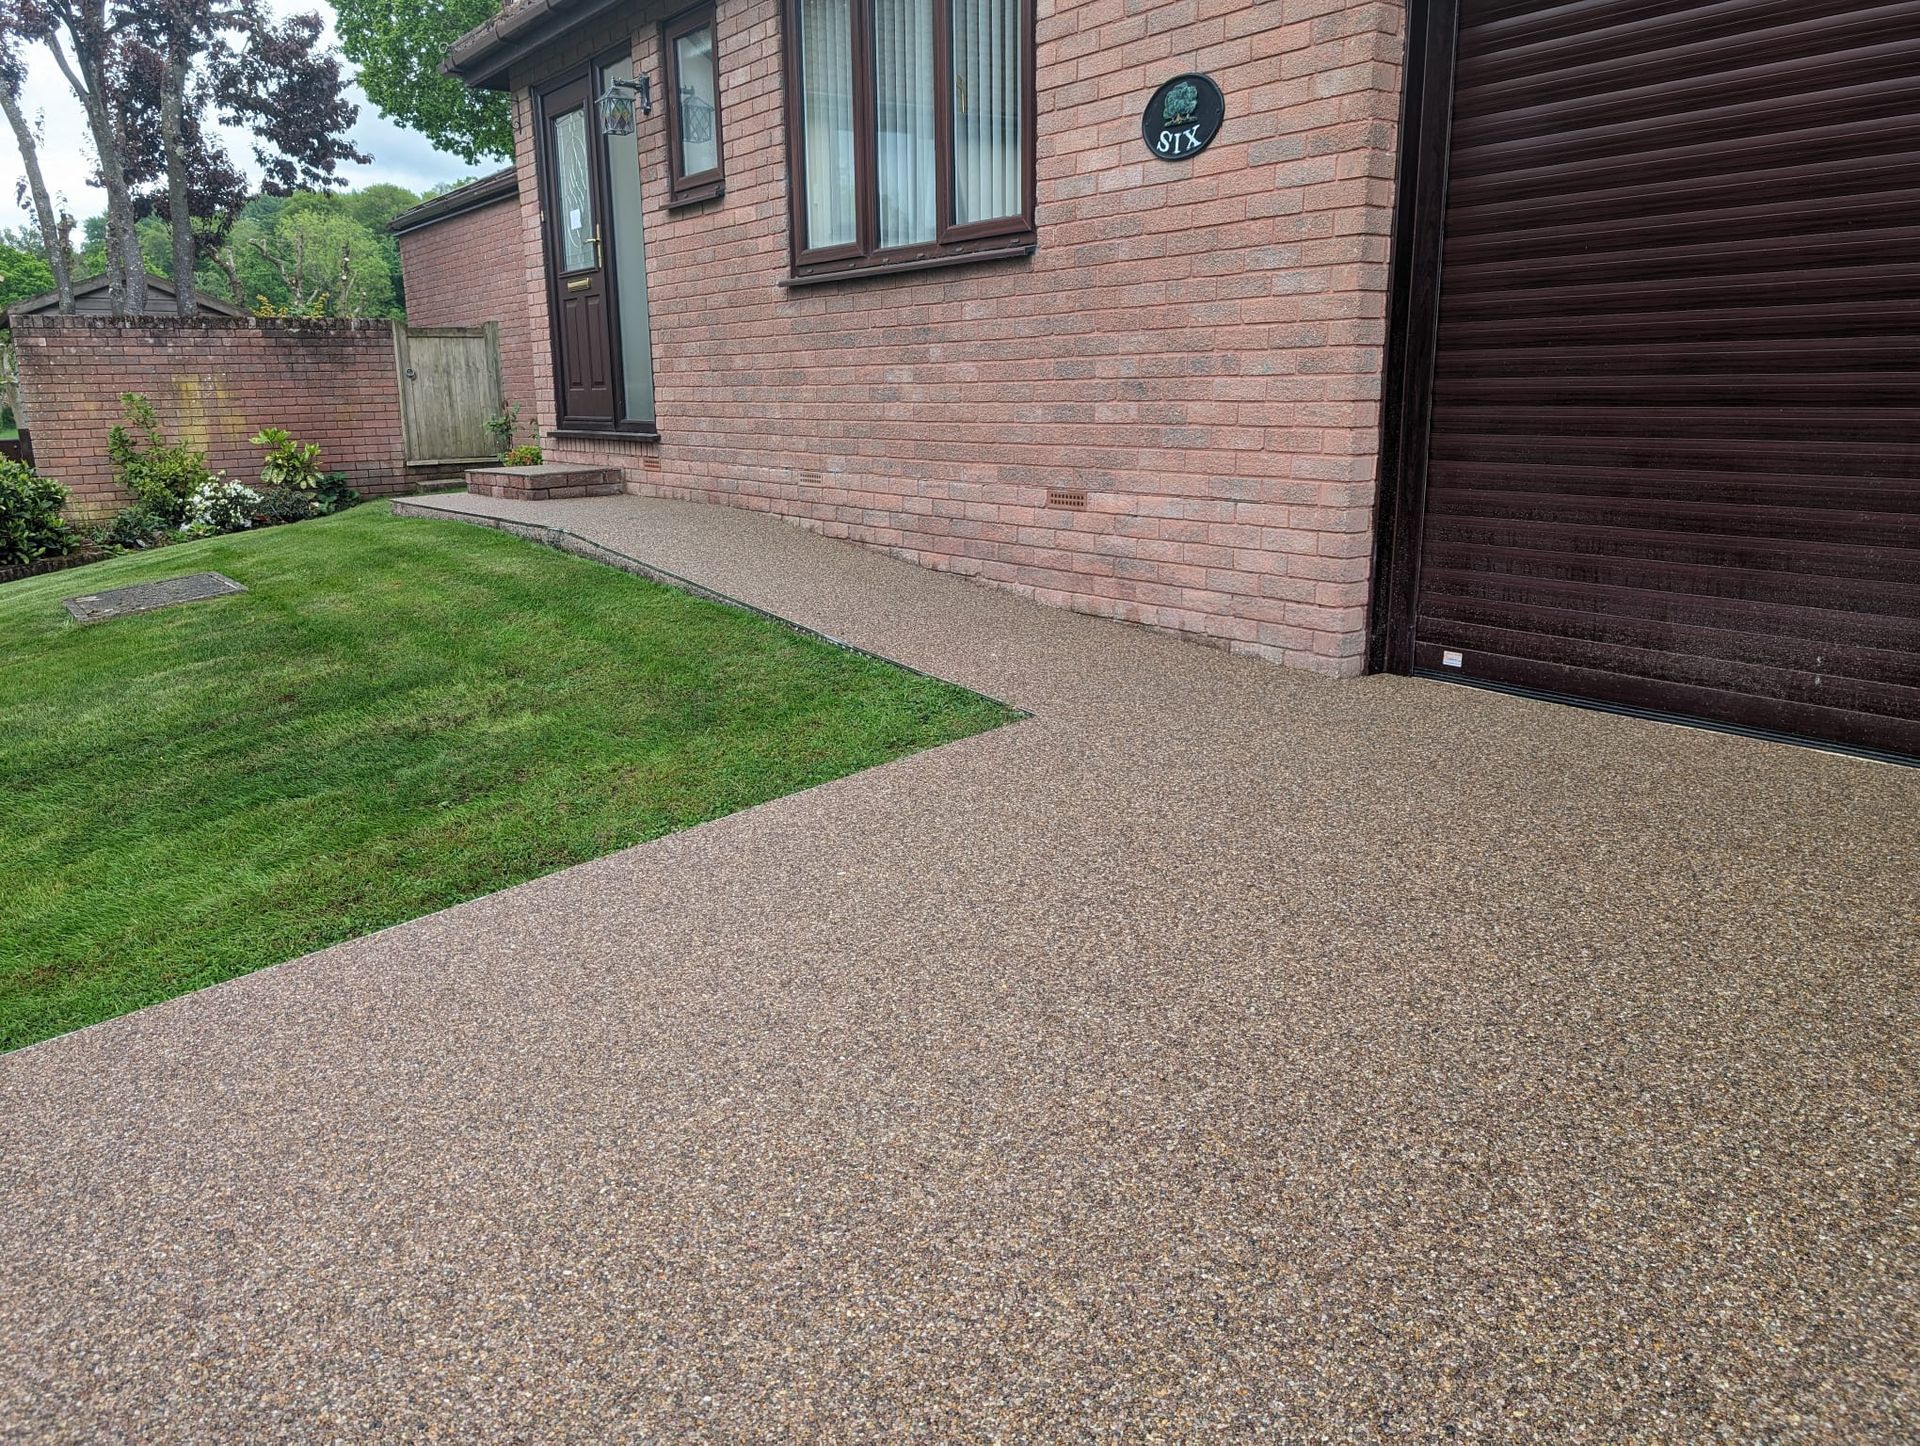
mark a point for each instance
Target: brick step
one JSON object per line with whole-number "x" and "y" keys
{"x": 548, "y": 482}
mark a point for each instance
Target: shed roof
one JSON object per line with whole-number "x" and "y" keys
{"x": 93, "y": 289}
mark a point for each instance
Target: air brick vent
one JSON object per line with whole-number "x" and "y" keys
{"x": 1073, "y": 499}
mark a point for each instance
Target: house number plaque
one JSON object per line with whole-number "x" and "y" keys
{"x": 1183, "y": 117}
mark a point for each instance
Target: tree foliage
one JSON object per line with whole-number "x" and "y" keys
{"x": 276, "y": 79}
{"x": 283, "y": 252}
{"x": 314, "y": 254}
{"x": 22, "y": 274}
{"x": 313, "y": 261}
{"x": 399, "y": 45}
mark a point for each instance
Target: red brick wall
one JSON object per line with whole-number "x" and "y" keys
{"x": 1198, "y": 344}
{"x": 214, "y": 382}
{"x": 466, "y": 271}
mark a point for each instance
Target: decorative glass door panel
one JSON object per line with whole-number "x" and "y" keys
{"x": 572, "y": 183}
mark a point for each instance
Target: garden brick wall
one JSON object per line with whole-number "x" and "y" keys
{"x": 1197, "y": 344}
{"x": 214, "y": 382}
{"x": 466, "y": 271}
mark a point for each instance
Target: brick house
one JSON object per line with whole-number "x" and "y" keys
{"x": 450, "y": 250}
{"x": 1542, "y": 346}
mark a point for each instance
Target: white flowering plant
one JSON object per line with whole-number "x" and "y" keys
{"x": 218, "y": 505}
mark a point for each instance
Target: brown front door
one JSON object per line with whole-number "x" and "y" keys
{"x": 573, "y": 203}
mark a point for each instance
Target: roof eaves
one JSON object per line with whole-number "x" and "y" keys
{"x": 480, "y": 57}
{"x": 502, "y": 185}
{"x": 483, "y": 57}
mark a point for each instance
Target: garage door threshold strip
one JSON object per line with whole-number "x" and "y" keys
{"x": 1219, "y": 1048}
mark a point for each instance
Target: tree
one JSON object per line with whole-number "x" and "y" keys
{"x": 275, "y": 79}
{"x": 373, "y": 208}
{"x": 93, "y": 246}
{"x": 330, "y": 264}
{"x": 311, "y": 255}
{"x": 181, "y": 176}
{"x": 270, "y": 76}
{"x": 55, "y": 227}
{"x": 150, "y": 74}
{"x": 444, "y": 188}
{"x": 282, "y": 253}
{"x": 24, "y": 274}
{"x": 399, "y": 45}
{"x": 83, "y": 38}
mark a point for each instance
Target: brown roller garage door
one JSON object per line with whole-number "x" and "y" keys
{"x": 1673, "y": 427}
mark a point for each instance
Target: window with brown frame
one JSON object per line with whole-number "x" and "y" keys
{"x": 694, "y": 168}
{"x": 909, "y": 132}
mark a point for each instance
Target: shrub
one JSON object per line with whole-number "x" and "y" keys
{"x": 30, "y": 523}
{"x": 278, "y": 505}
{"x": 266, "y": 307}
{"x": 503, "y": 427}
{"x": 221, "y": 506}
{"x": 133, "y": 528}
{"x": 289, "y": 463}
{"x": 333, "y": 494}
{"x": 525, "y": 455}
{"x": 159, "y": 473}
{"x": 284, "y": 504}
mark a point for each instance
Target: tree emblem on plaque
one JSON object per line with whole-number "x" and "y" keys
{"x": 1182, "y": 104}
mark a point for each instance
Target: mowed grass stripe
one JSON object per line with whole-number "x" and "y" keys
{"x": 397, "y": 716}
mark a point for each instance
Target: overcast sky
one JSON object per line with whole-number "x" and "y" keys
{"x": 401, "y": 156}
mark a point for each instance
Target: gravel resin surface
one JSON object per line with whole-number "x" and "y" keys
{"x": 1219, "y": 1049}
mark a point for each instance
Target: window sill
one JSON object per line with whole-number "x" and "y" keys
{"x": 696, "y": 195}
{"x": 854, "y": 270}
{"x": 605, "y": 434}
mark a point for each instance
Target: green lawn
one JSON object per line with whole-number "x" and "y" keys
{"x": 399, "y": 715}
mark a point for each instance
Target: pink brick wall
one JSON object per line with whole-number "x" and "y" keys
{"x": 1197, "y": 344}
{"x": 467, "y": 271}
{"x": 214, "y": 382}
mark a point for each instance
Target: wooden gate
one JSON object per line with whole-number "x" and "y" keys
{"x": 449, "y": 386}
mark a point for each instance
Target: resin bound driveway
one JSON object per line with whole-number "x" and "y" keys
{"x": 1218, "y": 1048}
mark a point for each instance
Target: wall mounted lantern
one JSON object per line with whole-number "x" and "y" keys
{"x": 616, "y": 109}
